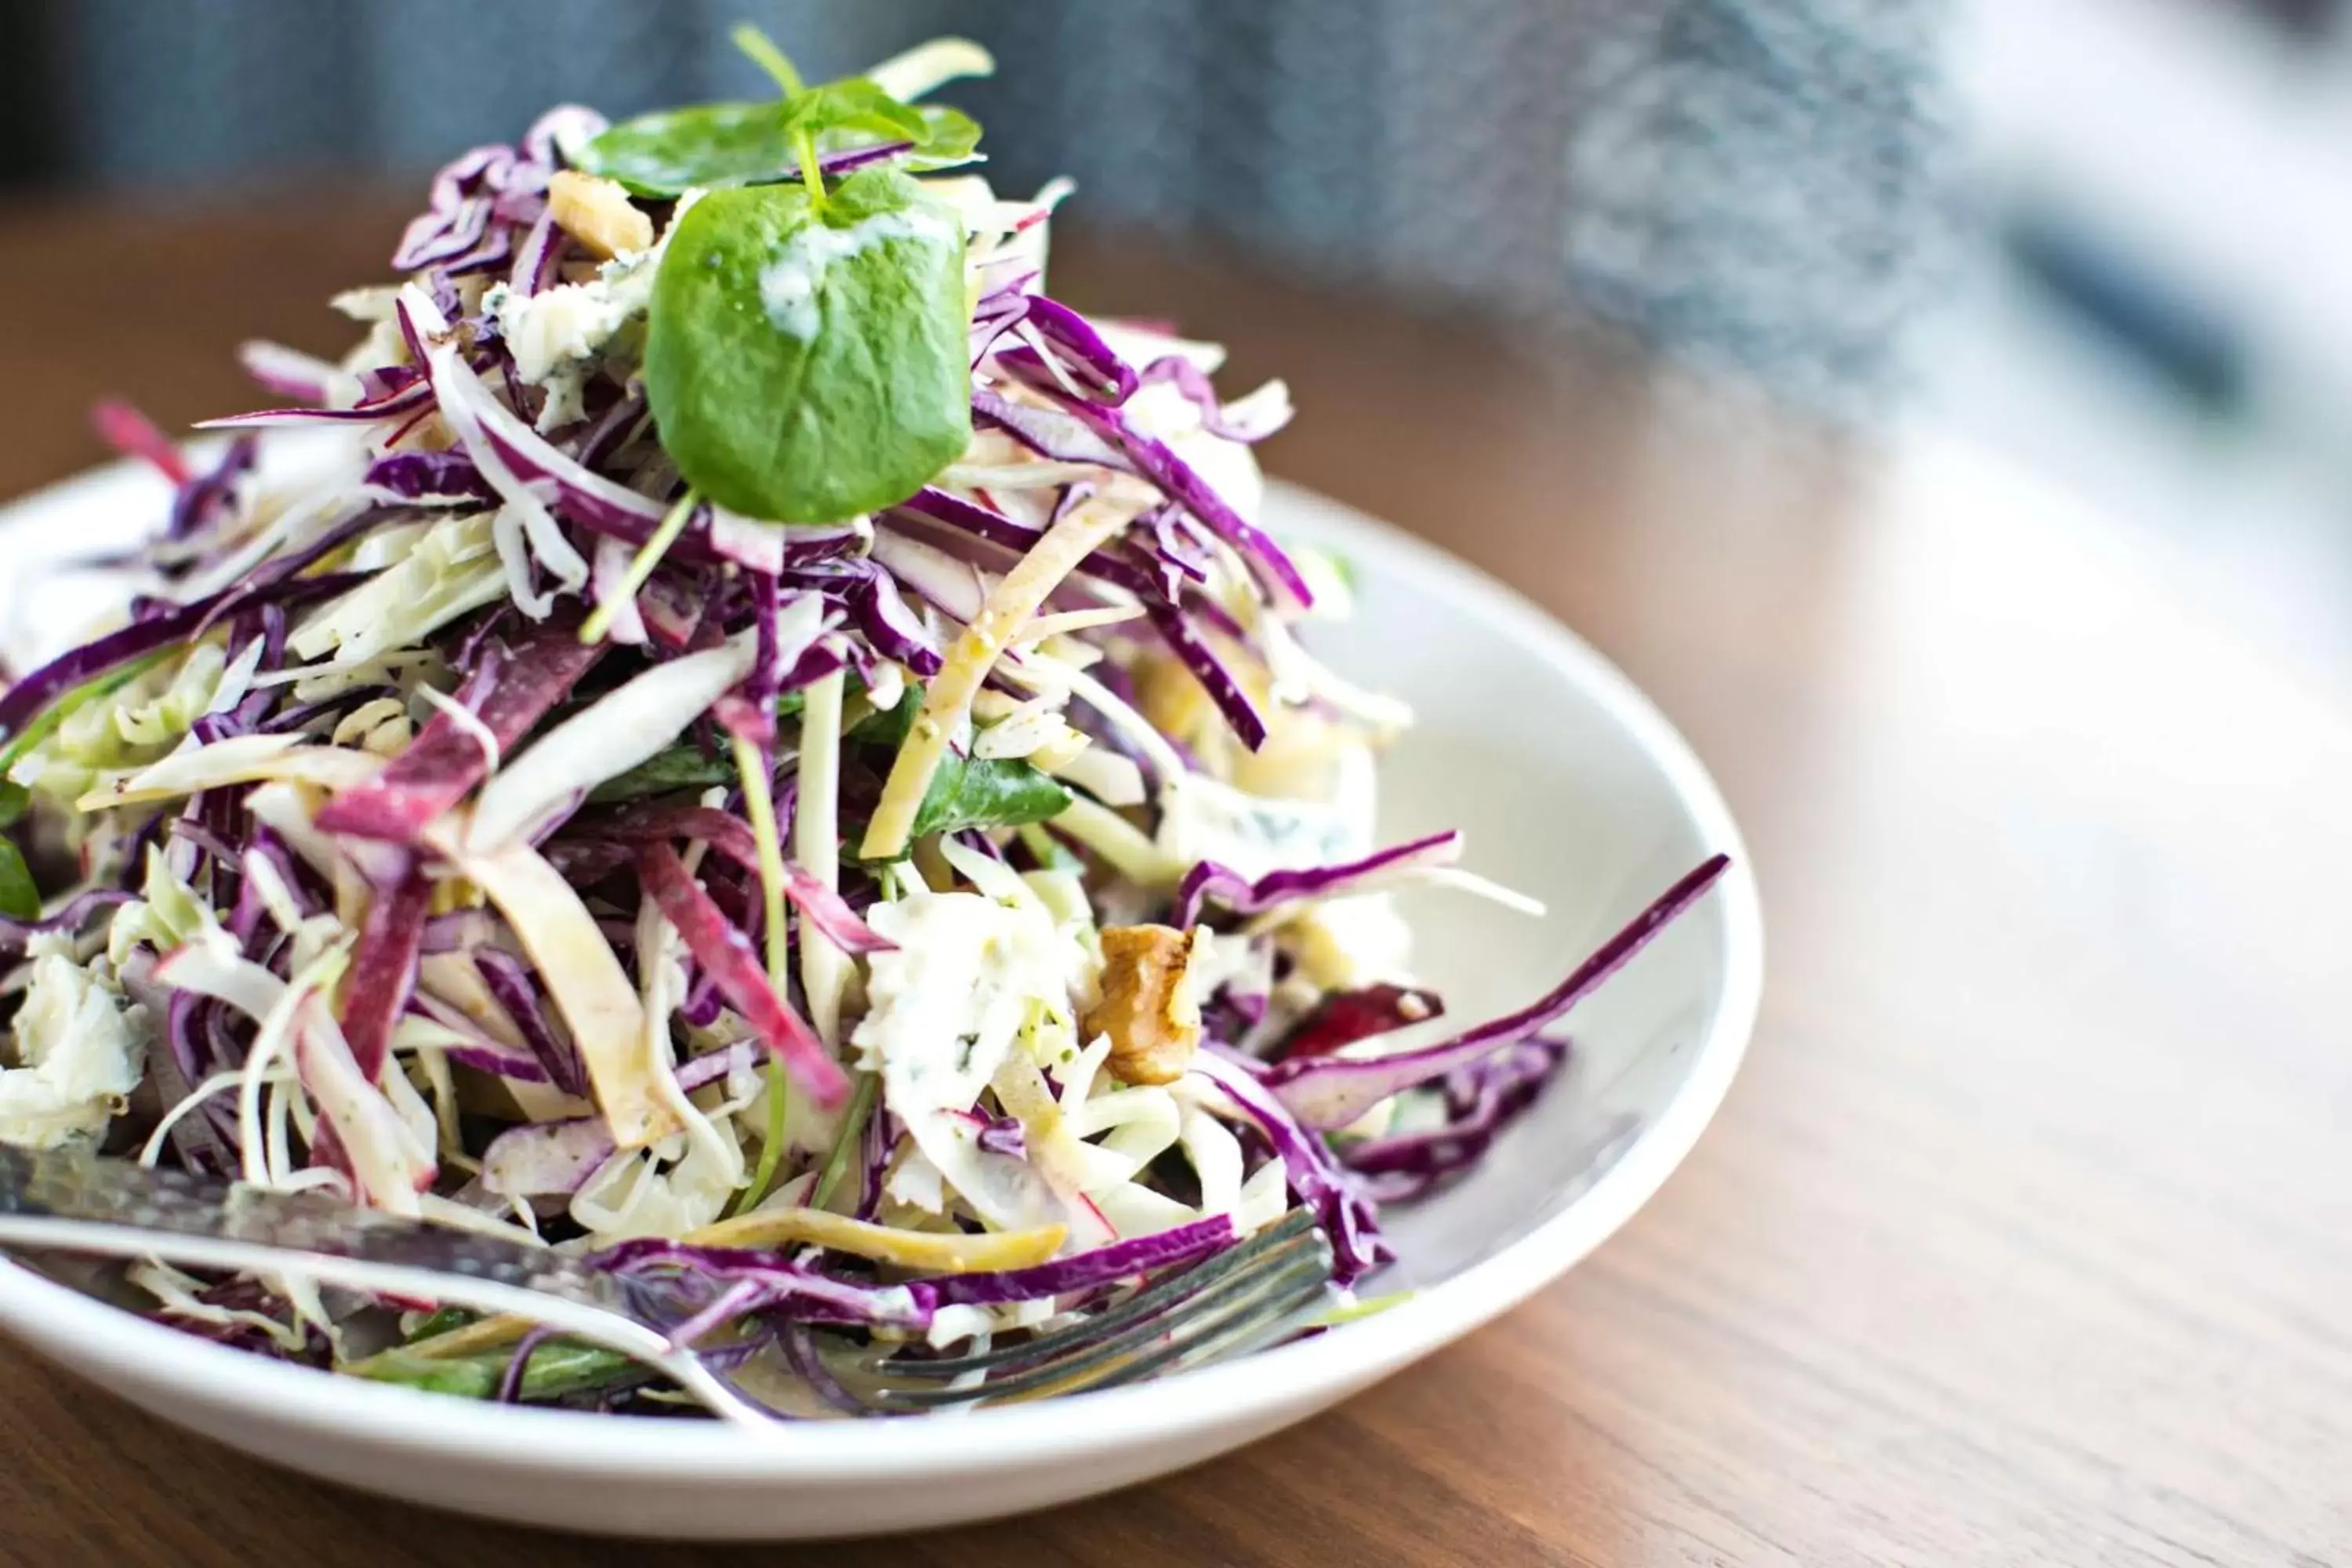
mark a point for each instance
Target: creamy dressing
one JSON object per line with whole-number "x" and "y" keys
{"x": 790, "y": 285}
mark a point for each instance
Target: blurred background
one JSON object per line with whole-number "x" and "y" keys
{"x": 2095, "y": 234}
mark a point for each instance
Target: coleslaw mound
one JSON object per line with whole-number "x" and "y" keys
{"x": 736, "y": 735}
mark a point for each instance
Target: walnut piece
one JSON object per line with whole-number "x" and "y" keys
{"x": 1148, "y": 1006}
{"x": 597, "y": 213}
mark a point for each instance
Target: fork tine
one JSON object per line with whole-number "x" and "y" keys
{"x": 1194, "y": 1341}
{"x": 1209, "y": 1308}
{"x": 1242, "y": 1300}
{"x": 1213, "y": 1342}
{"x": 1249, "y": 1256}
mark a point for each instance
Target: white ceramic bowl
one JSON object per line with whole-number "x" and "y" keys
{"x": 1571, "y": 786}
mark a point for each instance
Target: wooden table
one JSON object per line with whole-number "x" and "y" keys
{"x": 2025, "y": 1236}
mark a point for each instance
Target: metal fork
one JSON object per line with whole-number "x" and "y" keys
{"x": 77, "y": 1201}
{"x": 1222, "y": 1305}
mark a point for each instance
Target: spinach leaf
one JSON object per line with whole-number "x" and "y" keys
{"x": 715, "y": 146}
{"x": 966, "y": 792}
{"x": 19, "y": 900}
{"x": 987, "y": 792}
{"x": 682, "y": 766}
{"x": 888, "y": 726}
{"x": 806, "y": 362}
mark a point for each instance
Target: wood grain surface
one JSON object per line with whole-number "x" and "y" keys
{"x": 2024, "y": 1238}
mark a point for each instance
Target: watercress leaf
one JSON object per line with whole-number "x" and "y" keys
{"x": 711, "y": 145}
{"x": 683, "y": 766}
{"x": 888, "y": 726}
{"x": 19, "y": 900}
{"x": 950, "y": 137}
{"x": 855, "y": 104}
{"x": 808, "y": 365}
{"x": 988, "y": 792}
{"x": 716, "y": 146}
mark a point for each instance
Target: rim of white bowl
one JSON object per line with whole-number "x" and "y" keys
{"x": 198, "y": 1372}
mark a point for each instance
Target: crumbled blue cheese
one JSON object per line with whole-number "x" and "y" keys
{"x": 79, "y": 1050}
{"x": 558, "y": 334}
{"x": 968, "y": 976}
{"x": 1204, "y": 819}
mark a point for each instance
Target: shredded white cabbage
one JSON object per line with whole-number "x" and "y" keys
{"x": 621, "y": 731}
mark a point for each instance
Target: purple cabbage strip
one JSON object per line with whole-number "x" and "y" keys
{"x": 459, "y": 932}
{"x": 1209, "y": 880}
{"x": 997, "y": 529}
{"x": 1048, "y": 432}
{"x": 283, "y": 372}
{"x": 1193, "y": 383}
{"x": 540, "y": 142}
{"x": 1316, "y": 1178}
{"x": 383, "y": 968}
{"x": 802, "y": 1294}
{"x": 21, "y": 702}
{"x": 996, "y": 316}
{"x": 388, "y": 381}
{"x": 422, "y": 476}
{"x": 1104, "y": 1265}
{"x": 612, "y": 427}
{"x": 1224, "y": 688}
{"x": 456, "y": 214}
{"x": 1481, "y": 1100}
{"x": 1005, "y": 1135}
{"x": 1080, "y": 349}
{"x": 446, "y": 760}
{"x": 207, "y": 495}
{"x": 1331, "y": 1092}
{"x": 511, "y": 1384}
{"x": 542, "y": 254}
{"x": 883, "y": 614}
{"x": 1175, "y": 629}
{"x": 413, "y": 399}
{"x": 1181, "y": 482}
{"x": 511, "y": 983}
{"x": 497, "y": 1064}
{"x": 16, "y": 935}
{"x": 195, "y": 1139}
{"x": 799, "y": 1345}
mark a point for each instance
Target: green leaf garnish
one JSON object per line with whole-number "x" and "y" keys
{"x": 442, "y": 1320}
{"x": 718, "y": 146}
{"x": 807, "y": 363}
{"x": 557, "y": 1367}
{"x": 19, "y": 900}
{"x": 714, "y": 146}
{"x": 682, "y": 766}
{"x": 15, "y": 800}
{"x": 988, "y": 792}
{"x": 966, "y": 792}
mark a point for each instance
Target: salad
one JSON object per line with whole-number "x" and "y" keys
{"x": 735, "y": 736}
